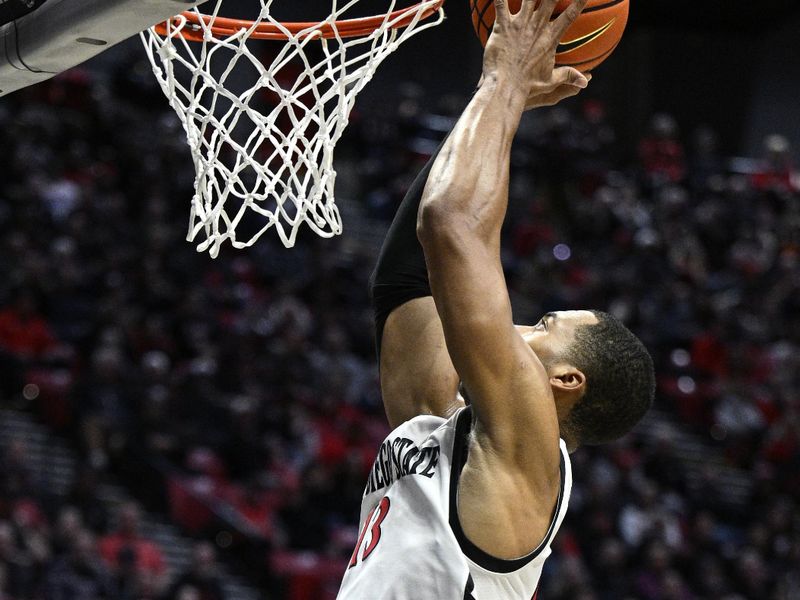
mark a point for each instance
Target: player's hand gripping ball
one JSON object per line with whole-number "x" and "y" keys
{"x": 589, "y": 40}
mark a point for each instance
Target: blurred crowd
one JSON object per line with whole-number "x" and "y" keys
{"x": 249, "y": 381}
{"x": 72, "y": 547}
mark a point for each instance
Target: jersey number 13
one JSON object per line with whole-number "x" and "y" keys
{"x": 373, "y": 524}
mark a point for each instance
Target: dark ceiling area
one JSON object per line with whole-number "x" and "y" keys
{"x": 714, "y": 15}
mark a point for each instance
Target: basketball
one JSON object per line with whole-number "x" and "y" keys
{"x": 587, "y": 43}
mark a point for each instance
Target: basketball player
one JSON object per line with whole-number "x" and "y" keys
{"x": 463, "y": 501}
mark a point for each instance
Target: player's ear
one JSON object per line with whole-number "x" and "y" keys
{"x": 568, "y": 380}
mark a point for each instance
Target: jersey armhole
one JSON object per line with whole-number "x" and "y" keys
{"x": 470, "y": 550}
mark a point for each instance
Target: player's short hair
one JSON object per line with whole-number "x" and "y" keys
{"x": 620, "y": 380}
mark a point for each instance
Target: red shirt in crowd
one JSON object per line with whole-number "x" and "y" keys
{"x": 27, "y": 337}
{"x": 148, "y": 556}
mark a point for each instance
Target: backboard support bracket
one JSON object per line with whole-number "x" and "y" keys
{"x": 61, "y": 34}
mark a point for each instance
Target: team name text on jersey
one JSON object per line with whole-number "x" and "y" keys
{"x": 398, "y": 457}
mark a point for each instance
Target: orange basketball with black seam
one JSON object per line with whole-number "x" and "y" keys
{"x": 589, "y": 40}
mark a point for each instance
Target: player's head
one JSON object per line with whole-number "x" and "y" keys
{"x": 601, "y": 374}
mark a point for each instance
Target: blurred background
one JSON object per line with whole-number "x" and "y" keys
{"x": 176, "y": 427}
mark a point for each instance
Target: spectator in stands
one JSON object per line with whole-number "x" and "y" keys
{"x": 24, "y": 331}
{"x": 647, "y": 518}
{"x": 31, "y": 542}
{"x": 83, "y": 496}
{"x": 105, "y": 400}
{"x": 187, "y": 593}
{"x": 16, "y": 570}
{"x": 17, "y": 477}
{"x": 25, "y": 338}
{"x": 126, "y": 548}
{"x": 661, "y": 152}
{"x": 776, "y": 171}
{"x": 67, "y": 527}
{"x": 611, "y": 582}
{"x": 125, "y": 576}
{"x": 202, "y": 576}
{"x": 264, "y": 358}
{"x": 80, "y": 575}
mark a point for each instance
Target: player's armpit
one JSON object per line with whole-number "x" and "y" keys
{"x": 417, "y": 375}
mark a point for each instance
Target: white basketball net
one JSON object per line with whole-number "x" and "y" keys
{"x": 273, "y": 159}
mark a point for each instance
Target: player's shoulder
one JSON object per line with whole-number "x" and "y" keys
{"x": 422, "y": 426}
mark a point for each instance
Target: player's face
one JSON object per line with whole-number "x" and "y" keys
{"x": 554, "y": 332}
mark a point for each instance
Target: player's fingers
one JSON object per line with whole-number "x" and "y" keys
{"x": 569, "y": 77}
{"x": 554, "y": 97}
{"x": 567, "y": 18}
{"x": 542, "y": 10}
{"x": 501, "y": 12}
{"x": 566, "y": 91}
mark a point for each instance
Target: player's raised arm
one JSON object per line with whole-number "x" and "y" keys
{"x": 459, "y": 226}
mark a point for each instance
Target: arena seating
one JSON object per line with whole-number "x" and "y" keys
{"x": 238, "y": 398}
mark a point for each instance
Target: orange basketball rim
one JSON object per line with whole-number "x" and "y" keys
{"x": 195, "y": 23}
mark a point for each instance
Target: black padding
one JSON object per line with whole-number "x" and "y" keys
{"x": 400, "y": 274}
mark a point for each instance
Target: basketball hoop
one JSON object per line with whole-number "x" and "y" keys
{"x": 264, "y": 147}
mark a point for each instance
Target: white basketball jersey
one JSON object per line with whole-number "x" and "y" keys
{"x": 411, "y": 545}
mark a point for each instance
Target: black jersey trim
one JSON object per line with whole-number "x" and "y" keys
{"x": 470, "y": 550}
{"x": 469, "y": 588}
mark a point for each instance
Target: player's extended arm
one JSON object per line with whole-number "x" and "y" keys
{"x": 459, "y": 226}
